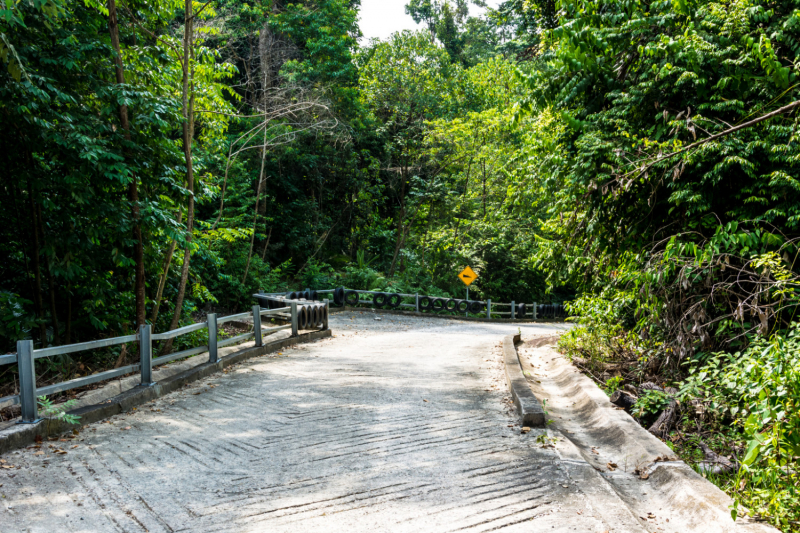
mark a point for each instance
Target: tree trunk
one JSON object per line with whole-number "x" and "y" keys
{"x": 259, "y": 188}
{"x": 51, "y": 287}
{"x": 187, "y": 100}
{"x": 264, "y": 254}
{"x": 668, "y": 416}
{"x": 400, "y": 233}
{"x": 133, "y": 189}
{"x": 162, "y": 282}
{"x": 37, "y": 297}
{"x": 68, "y": 333}
{"x": 623, "y": 399}
{"x": 483, "y": 164}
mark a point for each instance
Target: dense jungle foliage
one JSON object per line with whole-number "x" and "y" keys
{"x": 638, "y": 159}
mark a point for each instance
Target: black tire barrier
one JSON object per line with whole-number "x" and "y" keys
{"x": 302, "y": 317}
{"x": 438, "y": 304}
{"x": 315, "y": 296}
{"x": 425, "y": 303}
{"x": 307, "y": 295}
{"x": 323, "y": 315}
{"x": 338, "y": 296}
{"x": 475, "y": 307}
{"x": 379, "y": 300}
{"x": 351, "y": 298}
{"x": 291, "y": 296}
{"x": 394, "y": 301}
{"x": 451, "y": 305}
{"x": 462, "y": 306}
{"x": 521, "y": 310}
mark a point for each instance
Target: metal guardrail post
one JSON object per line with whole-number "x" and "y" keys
{"x": 294, "y": 319}
{"x": 325, "y": 316}
{"x": 146, "y": 355}
{"x": 27, "y": 382}
{"x": 534, "y": 310}
{"x": 488, "y": 308}
{"x": 416, "y": 299}
{"x": 513, "y": 309}
{"x": 213, "y": 355}
{"x": 257, "y": 325}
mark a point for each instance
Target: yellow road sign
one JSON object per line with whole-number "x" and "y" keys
{"x": 467, "y": 276}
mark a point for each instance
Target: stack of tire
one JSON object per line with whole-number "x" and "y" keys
{"x": 303, "y": 295}
{"x": 452, "y": 305}
{"x": 379, "y": 299}
{"x": 311, "y": 316}
{"x": 550, "y": 311}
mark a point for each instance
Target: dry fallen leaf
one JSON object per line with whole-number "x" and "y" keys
{"x": 612, "y": 466}
{"x": 74, "y": 447}
{"x": 7, "y": 467}
{"x": 126, "y": 428}
{"x": 39, "y": 453}
{"x": 424, "y": 400}
{"x": 526, "y": 429}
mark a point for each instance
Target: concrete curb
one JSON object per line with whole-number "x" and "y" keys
{"x": 530, "y": 410}
{"x": 448, "y": 317}
{"x": 591, "y": 423}
{"x": 21, "y": 435}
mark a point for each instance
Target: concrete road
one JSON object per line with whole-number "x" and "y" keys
{"x": 401, "y": 424}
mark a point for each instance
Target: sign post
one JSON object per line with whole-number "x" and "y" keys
{"x": 467, "y": 276}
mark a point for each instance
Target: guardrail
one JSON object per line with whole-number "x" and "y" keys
{"x": 425, "y": 303}
{"x": 300, "y": 313}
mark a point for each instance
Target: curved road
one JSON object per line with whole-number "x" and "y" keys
{"x": 399, "y": 424}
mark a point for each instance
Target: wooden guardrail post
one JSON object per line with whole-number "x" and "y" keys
{"x": 534, "y": 310}
{"x": 213, "y": 356}
{"x": 416, "y": 299}
{"x": 146, "y": 355}
{"x": 257, "y": 325}
{"x": 488, "y": 308}
{"x": 27, "y": 382}
{"x": 513, "y": 309}
{"x": 325, "y": 315}
{"x": 294, "y": 318}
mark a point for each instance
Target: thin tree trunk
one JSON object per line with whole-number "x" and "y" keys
{"x": 400, "y": 217}
{"x": 68, "y": 334}
{"x": 483, "y": 164}
{"x": 37, "y": 297}
{"x": 51, "y": 286}
{"x": 133, "y": 189}
{"x": 259, "y": 187}
{"x": 187, "y": 100}
{"x": 264, "y": 254}
{"x": 162, "y": 282}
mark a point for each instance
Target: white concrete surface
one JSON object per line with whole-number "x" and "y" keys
{"x": 399, "y": 425}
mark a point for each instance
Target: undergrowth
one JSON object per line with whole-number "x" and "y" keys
{"x": 743, "y": 405}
